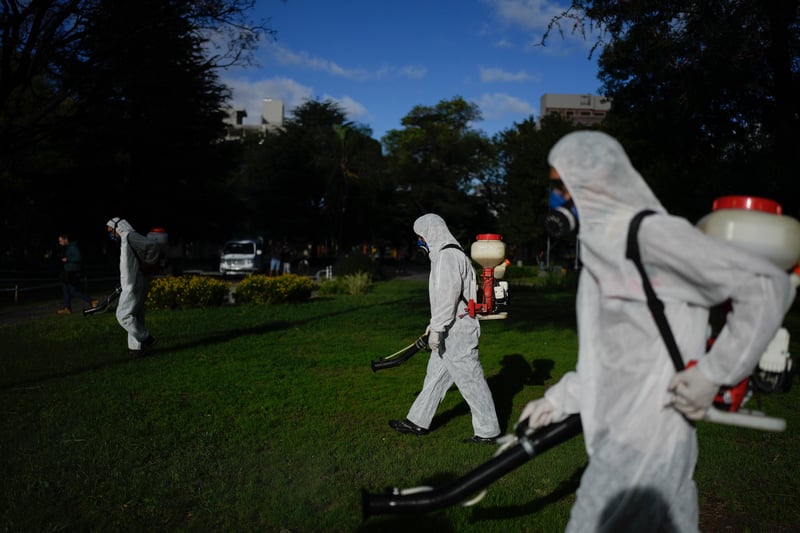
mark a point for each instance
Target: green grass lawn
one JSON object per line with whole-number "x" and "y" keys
{"x": 269, "y": 418}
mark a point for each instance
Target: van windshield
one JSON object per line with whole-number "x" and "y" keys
{"x": 248, "y": 248}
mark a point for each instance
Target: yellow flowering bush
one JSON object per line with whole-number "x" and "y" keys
{"x": 184, "y": 292}
{"x": 261, "y": 289}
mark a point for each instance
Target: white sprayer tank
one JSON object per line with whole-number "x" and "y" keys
{"x": 757, "y": 225}
{"x": 158, "y": 234}
{"x": 488, "y": 250}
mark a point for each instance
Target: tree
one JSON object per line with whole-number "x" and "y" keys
{"x": 704, "y": 94}
{"x": 316, "y": 180}
{"x": 125, "y": 98}
{"x": 522, "y": 162}
{"x": 439, "y": 164}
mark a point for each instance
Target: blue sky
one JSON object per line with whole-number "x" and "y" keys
{"x": 379, "y": 58}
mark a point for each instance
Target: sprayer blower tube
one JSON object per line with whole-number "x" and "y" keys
{"x": 102, "y": 306}
{"x": 458, "y": 490}
{"x": 382, "y": 364}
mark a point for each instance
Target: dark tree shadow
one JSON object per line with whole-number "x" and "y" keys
{"x": 177, "y": 342}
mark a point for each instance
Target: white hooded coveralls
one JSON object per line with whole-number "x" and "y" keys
{"x": 451, "y": 285}
{"x": 130, "y": 308}
{"x": 642, "y": 453}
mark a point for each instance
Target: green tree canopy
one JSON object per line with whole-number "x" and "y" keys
{"x": 522, "y": 162}
{"x": 440, "y": 164}
{"x": 316, "y": 180}
{"x": 704, "y": 94}
{"x": 115, "y": 100}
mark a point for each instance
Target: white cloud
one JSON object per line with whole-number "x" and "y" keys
{"x": 251, "y": 94}
{"x": 498, "y": 105}
{"x": 489, "y": 75}
{"x": 355, "y": 110}
{"x": 302, "y": 59}
{"x": 534, "y": 16}
{"x": 527, "y": 14}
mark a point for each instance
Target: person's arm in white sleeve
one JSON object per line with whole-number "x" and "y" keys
{"x": 715, "y": 271}
{"x": 560, "y": 401}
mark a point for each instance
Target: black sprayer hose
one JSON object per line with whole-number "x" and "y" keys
{"x": 381, "y": 364}
{"x": 104, "y": 304}
{"x": 458, "y": 490}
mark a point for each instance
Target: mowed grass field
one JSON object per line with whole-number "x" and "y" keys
{"x": 269, "y": 418}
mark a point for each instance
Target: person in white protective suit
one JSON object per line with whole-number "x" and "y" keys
{"x": 452, "y": 337}
{"x": 637, "y": 413}
{"x": 134, "y": 284}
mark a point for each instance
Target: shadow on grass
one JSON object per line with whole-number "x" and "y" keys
{"x": 429, "y": 523}
{"x": 565, "y": 489}
{"x": 199, "y": 341}
{"x": 514, "y": 375}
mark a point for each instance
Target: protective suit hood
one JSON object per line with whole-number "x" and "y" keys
{"x": 600, "y": 178}
{"x": 433, "y": 229}
{"x": 607, "y": 192}
{"x": 121, "y": 225}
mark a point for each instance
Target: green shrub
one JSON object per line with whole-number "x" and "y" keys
{"x": 354, "y": 264}
{"x": 261, "y": 289}
{"x": 184, "y": 292}
{"x": 516, "y": 272}
{"x": 358, "y": 283}
{"x": 330, "y": 287}
{"x": 557, "y": 279}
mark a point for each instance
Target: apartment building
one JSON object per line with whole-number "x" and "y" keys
{"x": 583, "y": 109}
{"x": 272, "y": 116}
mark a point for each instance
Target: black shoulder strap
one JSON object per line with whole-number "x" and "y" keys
{"x": 460, "y": 249}
{"x": 656, "y": 306}
{"x": 452, "y": 245}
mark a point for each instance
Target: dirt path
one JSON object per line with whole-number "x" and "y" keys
{"x": 12, "y": 313}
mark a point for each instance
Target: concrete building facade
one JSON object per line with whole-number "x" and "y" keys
{"x": 583, "y": 109}
{"x": 272, "y": 111}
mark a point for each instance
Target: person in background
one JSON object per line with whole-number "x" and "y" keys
{"x": 452, "y": 337}
{"x": 274, "y": 258}
{"x": 71, "y": 275}
{"x": 286, "y": 257}
{"x": 637, "y": 413}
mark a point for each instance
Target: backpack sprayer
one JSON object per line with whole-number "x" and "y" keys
{"x": 743, "y": 221}
{"x": 489, "y": 252}
{"x": 756, "y": 225}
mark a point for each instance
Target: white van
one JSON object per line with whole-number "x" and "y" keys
{"x": 242, "y": 257}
